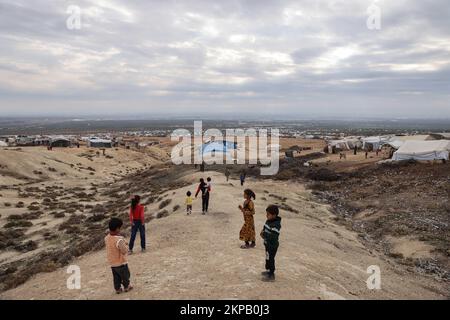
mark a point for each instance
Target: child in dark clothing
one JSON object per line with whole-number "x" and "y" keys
{"x": 204, "y": 188}
{"x": 270, "y": 234}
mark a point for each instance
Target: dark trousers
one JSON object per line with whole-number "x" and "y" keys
{"x": 205, "y": 202}
{"x": 137, "y": 226}
{"x": 270, "y": 258}
{"x": 121, "y": 276}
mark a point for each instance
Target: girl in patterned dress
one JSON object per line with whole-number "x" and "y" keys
{"x": 247, "y": 233}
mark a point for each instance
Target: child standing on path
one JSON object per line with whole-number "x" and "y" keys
{"x": 188, "y": 203}
{"x": 247, "y": 233}
{"x": 116, "y": 252}
{"x": 242, "y": 177}
{"x": 270, "y": 234}
{"x": 203, "y": 187}
{"x": 137, "y": 222}
{"x": 227, "y": 173}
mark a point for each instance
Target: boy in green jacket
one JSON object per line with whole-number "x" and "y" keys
{"x": 270, "y": 234}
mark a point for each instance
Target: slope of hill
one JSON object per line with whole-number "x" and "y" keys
{"x": 198, "y": 257}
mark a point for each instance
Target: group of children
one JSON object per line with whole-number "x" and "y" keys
{"x": 117, "y": 248}
{"x": 205, "y": 188}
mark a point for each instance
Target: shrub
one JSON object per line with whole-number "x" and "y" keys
{"x": 165, "y": 203}
{"x": 18, "y": 223}
{"x": 20, "y": 204}
{"x": 27, "y": 246}
{"x": 162, "y": 214}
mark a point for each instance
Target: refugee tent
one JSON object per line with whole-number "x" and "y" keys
{"x": 42, "y": 141}
{"x": 417, "y": 137}
{"x": 23, "y": 141}
{"x": 3, "y": 144}
{"x": 99, "y": 143}
{"x": 423, "y": 150}
{"x": 397, "y": 141}
{"x": 60, "y": 142}
{"x": 353, "y": 142}
{"x": 339, "y": 144}
{"x": 374, "y": 143}
{"x": 218, "y": 146}
{"x": 441, "y": 136}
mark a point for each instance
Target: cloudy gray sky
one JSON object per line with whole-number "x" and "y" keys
{"x": 312, "y": 57}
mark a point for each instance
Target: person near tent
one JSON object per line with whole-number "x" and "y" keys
{"x": 242, "y": 177}
{"x": 367, "y": 153}
{"x": 203, "y": 187}
{"x": 247, "y": 233}
{"x": 355, "y": 150}
{"x": 137, "y": 220}
{"x": 227, "y": 173}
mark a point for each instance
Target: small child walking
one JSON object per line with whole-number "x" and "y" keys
{"x": 116, "y": 252}
{"x": 270, "y": 234}
{"x": 189, "y": 203}
{"x": 247, "y": 233}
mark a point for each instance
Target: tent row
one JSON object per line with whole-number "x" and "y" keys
{"x": 55, "y": 141}
{"x": 415, "y": 147}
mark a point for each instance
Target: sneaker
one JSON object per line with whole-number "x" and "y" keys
{"x": 265, "y": 273}
{"x": 269, "y": 278}
{"x": 252, "y": 245}
{"x": 129, "y": 288}
{"x": 119, "y": 291}
{"x": 143, "y": 250}
{"x": 130, "y": 252}
{"x": 244, "y": 246}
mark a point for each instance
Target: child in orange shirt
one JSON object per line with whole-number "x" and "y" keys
{"x": 116, "y": 252}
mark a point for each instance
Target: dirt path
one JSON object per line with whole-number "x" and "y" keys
{"x": 198, "y": 257}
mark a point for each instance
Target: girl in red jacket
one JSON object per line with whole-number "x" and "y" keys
{"x": 137, "y": 222}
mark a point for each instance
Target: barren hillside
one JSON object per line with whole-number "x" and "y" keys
{"x": 198, "y": 256}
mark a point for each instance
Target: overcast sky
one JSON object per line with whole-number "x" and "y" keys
{"x": 313, "y": 57}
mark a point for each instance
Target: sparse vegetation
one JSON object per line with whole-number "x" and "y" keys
{"x": 164, "y": 203}
{"x": 162, "y": 214}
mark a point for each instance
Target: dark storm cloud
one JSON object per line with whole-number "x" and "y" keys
{"x": 202, "y": 56}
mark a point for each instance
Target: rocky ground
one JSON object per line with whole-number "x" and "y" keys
{"x": 54, "y": 204}
{"x": 403, "y": 209}
{"x": 54, "y": 208}
{"x": 198, "y": 257}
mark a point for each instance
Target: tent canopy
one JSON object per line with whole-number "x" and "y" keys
{"x": 376, "y": 142}
{"x": 423, "y": 150}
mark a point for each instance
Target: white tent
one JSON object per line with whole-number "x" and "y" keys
{"x": 397, "y": 141}
{"x": 394, "y": 143}
{"x": 376, "y": 142}
{"x": 3, "y": 144}
{"x": 99, "y": 143}
{"x": 341, "y": 144}
{"x": 423, "y": 150}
